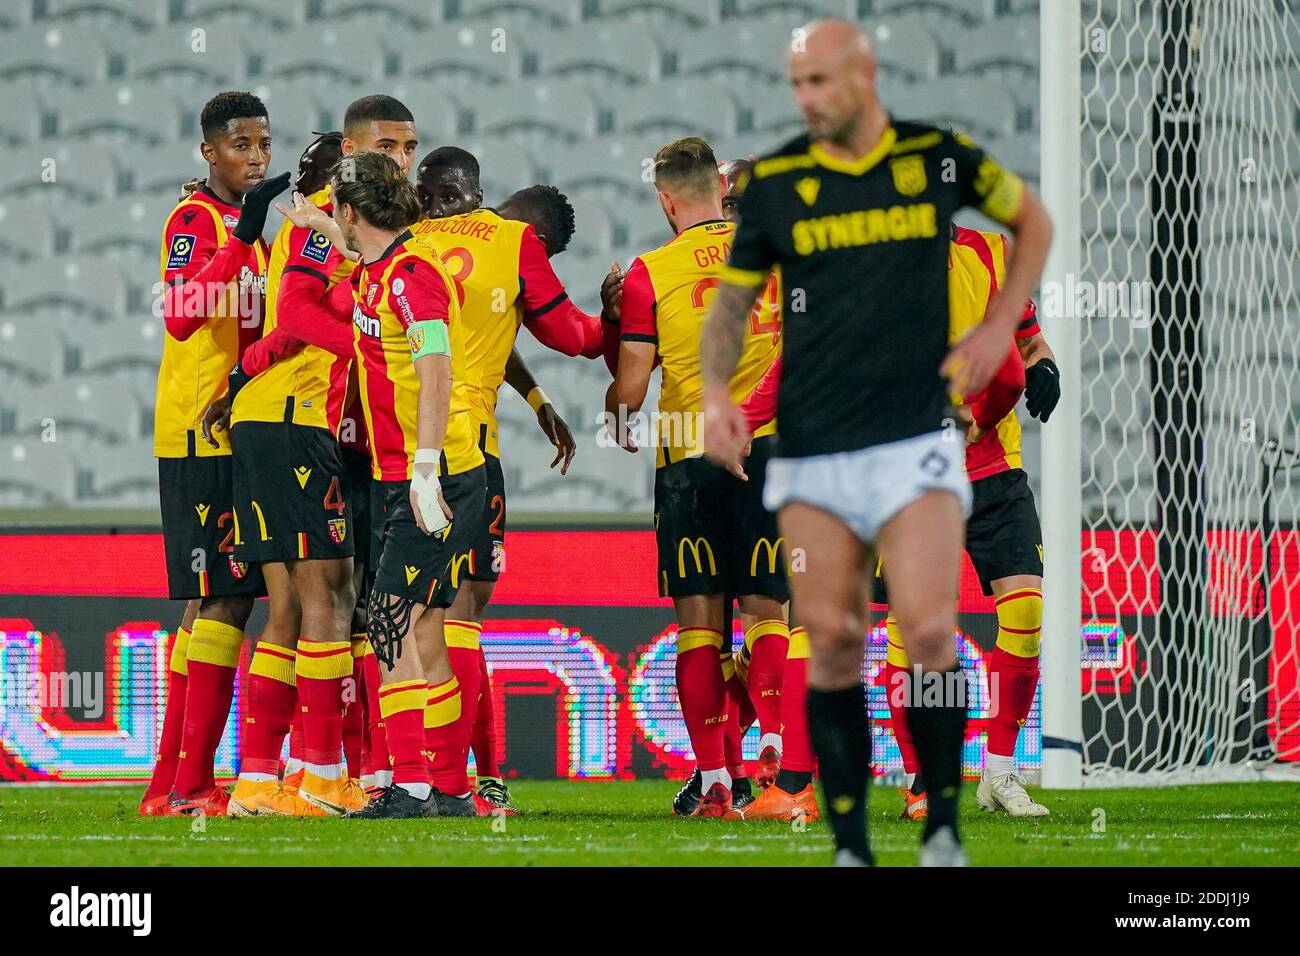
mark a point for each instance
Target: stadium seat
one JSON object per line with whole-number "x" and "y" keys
{"x": 542, "y": 112}
{"x": 465, "y": 51}
{"x": 197, "y": 59}
{"x": 1006, "y": 49}
{"x": 552, "y": 13}
{"x": 609, "y": 167}
{"x": 92, "y": 286}
{"x": 108, "y": 14}
{"x": 140, "y": 271}
{"x": 127, "y": 112}
{"x": 343, "y": 54}
{"x": 664, "y": 14}
{"x": 27, "y": 230}
{"x": 944, "y": 18}
{"x": 731, "y": 52}
{"x": 981, "y": 108}
{"x": 160, "y": 173}
{"x": 33, "y": 472}
{"x": 503, "y": 168}
{"x": 132, "y": 224}
{"x": 28, "y": 348}
{"x": 619, "y": 52}
{"x": 67, "y": 53}
{"x": 677, "y": 107}
{"x": 646, "y": 227}
{"x": 1019, "y": 153}
{"x": 126, "y": 474}
{"x": 295, "y": 111}
{"x": 104, "y": 409}
{"x": 771, "y": 114}
{"x": 905, "y": 47}
{"x": 58, "y": 171}
{"x": 593, "y": 231}
{"x": 24, "y": 122}
{"x": 281, "y": 15}
{"x": 382, "y": 15}
{"x": 796, "y": 12}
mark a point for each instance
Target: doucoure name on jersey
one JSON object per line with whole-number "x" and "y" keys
{"x": 473, "y": 229}
{"x": 864, "y": 227}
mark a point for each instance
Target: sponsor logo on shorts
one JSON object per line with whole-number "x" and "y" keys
{"x": 459, "y": 562}
{"x": 180, "y": 251}
{"x": 238, "y": 569}
{"x": 317, "y": 247}
{"x": 302, "y": 473}
{"x": 695, "y": 544}
{"x": 338, "y": 528}
{"x": 203, "y": 513}
{"x": 773, "y": 549}
{"x": 411, "y": 574}
{"x": 934, "y": 464}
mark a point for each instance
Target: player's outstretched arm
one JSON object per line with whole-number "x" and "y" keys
{"x": 556, "y": 429}
{"x": 549, "y": 313}
{"x": 312, "y": 313}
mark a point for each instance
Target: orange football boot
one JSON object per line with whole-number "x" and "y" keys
{"x": 335, "y": 797}
{"x": 154, "y": 806}
{"x": 213, "y": 803}
{"x": 292, "y": 781}
{"x": 269, "y": 799}
{"x": 716, "y": 802}
{"x": 776, "y": 804}
{"x": 915, "y": 806}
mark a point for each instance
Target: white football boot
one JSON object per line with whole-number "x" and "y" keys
{"x": 1006, "y": 791}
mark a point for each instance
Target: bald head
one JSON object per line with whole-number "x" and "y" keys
{"x": 833, "y": 73}
{"x": 735, "y": 173}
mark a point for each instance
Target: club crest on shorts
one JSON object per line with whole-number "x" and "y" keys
{"x": 178, "y": 254}
{"x": 238, "y": 569}
{"x": 909, "y": 175}
{"x": 338, "y": 528}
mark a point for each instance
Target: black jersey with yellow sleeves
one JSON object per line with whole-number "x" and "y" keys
{"x": 863, "y": 249}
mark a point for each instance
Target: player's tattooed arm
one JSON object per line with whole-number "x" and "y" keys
{"x": 555, "y": 428}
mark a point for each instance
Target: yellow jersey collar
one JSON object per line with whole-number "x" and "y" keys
{"x": 856, "y": 167}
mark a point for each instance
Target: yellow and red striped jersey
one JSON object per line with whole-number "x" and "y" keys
{"x": 976, "y": 268}
{"x": 311, "y": 381}
{"x": 665, "y": 299}
{"x": 207, "y": 328}
{"x": 407, "y": 284}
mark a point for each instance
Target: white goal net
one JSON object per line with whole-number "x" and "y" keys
{"x": 1187, "y": 303}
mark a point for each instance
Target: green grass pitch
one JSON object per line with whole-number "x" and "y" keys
{"x": 627, "y": 823}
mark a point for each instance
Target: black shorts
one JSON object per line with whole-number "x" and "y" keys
{"x": 1003, "y": 537}
{"x": 199, "y": 530}
{"x": 416, "y": 565}
{"x": 291, "y": 493}
{"x": 713, "y": 534}
{"x": 486, "y": 553}
{"x": 357, "y": 465}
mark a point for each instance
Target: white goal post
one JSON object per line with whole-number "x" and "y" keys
{"x": 1171, "y": 467}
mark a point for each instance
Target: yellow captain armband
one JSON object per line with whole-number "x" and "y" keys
{"x": 537, "y": 398}
{"x": 1003, "y": 200}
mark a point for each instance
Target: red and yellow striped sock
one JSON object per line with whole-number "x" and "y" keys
{"x": 1013, "y": 667}
{"x": 441, "y": 712}
{"x": 322, "y": 667}
{"x": 169, "y": 743}
{"x": 212, "y": 658}
{"x": 897, "y": 683}
{"x": 796, "y": 745}
{"x": 484, "y": 739}
{"x": 272, "y": 693}
{"x": 376, "y": 733}
{"x": 465, "y": 656}
{"x": 354, "y": 705}
{"x": 402, "y": 705}
{"x": 702, "y": 694}
{"x": 769, "y": 645}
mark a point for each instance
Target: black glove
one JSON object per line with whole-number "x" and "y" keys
{"x": 1042, "y": 388}
{"x": 238, "y": 379}
{"x": 252, "y": 218}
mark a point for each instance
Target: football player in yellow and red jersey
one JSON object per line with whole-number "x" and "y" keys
{"x": 293, "y": 507}
{"x": 503, "y": 280}
{"x": 699, "y": 507}
{"x": 1003, "y": 538}
{"x": 213, "y": 265}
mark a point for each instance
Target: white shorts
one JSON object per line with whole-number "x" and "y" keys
{"x": 866, "y": 488}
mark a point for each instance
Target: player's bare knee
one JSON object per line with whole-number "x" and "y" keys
{"x": 929, "y": 640}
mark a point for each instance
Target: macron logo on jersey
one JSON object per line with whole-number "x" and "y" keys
{"x": 317, "y": 247}
{"x": 182, "y": 248}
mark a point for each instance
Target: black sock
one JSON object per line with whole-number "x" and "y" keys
{"x": 938, "y": 731}
{"x": 918, "y": 785}
{"x": 841, "y": 739}
{"x": 741, "y": 786}
{"x": 792, "y": 781}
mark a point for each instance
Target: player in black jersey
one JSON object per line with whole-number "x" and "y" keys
{"x": 856, "y": 213}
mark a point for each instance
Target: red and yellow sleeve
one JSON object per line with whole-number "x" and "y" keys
{"x": 760, "y": 407}
{"x": 549, "y": 313}
{"x": 192, "y": 265}
{"x": 637, "y": 308}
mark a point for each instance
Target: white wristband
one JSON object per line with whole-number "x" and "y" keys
{"x": 427, "y": 456}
